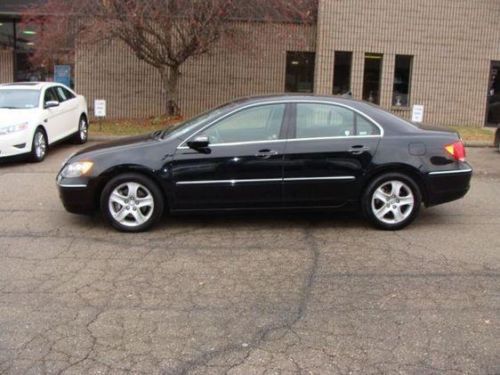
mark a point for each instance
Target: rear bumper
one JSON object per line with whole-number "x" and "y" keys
{"x": 448, "y": 185}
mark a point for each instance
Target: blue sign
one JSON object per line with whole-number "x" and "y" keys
{"x": 62, "y": 74}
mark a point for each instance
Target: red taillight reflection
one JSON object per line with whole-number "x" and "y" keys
{"x": 457, "y": 150}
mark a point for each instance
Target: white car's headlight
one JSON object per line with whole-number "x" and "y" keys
{"x": 77, "y": 169}
{"x": 13, "y": 128}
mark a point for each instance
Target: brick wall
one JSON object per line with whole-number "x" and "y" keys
{"x": 452, "y": 41}
{"x": 133, "y": 89}
{"x": 6, "y": 66}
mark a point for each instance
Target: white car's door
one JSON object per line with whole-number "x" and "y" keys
{"x": 53, "y": 117}
{"x": 69, "y": 110}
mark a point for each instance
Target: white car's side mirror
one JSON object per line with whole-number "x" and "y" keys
{"x": 51, "y": 104}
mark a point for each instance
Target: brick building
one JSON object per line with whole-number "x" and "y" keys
{"x": 443, "y": 55}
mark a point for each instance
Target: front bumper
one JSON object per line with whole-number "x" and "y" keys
{"x": 77, "y": 195}
{"x": 14, "y": 144}
{"x": 448, "y": 185}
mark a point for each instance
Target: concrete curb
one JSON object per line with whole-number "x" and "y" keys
{"x": 478, "y": 144}
{"x": 108, "y": 138}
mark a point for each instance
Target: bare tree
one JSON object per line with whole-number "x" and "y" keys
{"x": 162, "y": 33}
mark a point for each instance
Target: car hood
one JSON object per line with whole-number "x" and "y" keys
{"x": 16, "y": 116}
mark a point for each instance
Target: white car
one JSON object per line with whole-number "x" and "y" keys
{"x": 34, "y": 115}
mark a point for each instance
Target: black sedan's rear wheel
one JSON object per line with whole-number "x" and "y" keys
{"x": 391, "y": 201}
{"x": 132, "y": 202}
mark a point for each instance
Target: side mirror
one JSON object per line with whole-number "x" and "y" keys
{"x": 51, "y": 104}
{"x": 199, "y": 143}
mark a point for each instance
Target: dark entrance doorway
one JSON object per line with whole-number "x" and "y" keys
{"x": 493, "y": 109}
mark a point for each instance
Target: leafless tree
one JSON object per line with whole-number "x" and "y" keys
{"x": 162, "y": 33}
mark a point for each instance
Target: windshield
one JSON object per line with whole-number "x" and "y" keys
{"x": 19, "y": 99}
{"x": 185, "y": 127}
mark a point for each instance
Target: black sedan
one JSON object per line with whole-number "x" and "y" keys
{"x": 276, "y": 152}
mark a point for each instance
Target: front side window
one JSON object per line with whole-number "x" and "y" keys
{"x": 61, "y": 94}
{"x": 249, "y": 125}
{"x": 327, "y": 121}
{"x": 50, "y": 96}
{"x": 19, "y": 99}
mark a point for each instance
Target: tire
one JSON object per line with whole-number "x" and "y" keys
{"x": 391, "y": 201}
{"x": 82, "y": 135}
{"x": 132, "y": 203}
{"x": 39, "y": 146}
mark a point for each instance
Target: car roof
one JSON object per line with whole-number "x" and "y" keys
{"x": 28, "y": 85}
{"x": 387, "y": 120}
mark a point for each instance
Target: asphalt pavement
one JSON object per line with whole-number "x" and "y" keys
{"x": 248, "y": 294}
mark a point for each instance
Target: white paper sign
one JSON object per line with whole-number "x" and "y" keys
{"x": 417, "y": 114}
{"x": 100, "y": 108}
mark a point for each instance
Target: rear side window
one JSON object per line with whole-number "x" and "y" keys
{"x": 326, "y": 121}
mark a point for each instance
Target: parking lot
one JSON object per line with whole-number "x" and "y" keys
{"x": 248, "y": 294}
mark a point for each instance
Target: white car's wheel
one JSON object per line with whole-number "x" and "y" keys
{"x": 82, "y": 135}
{"x": 39, "y": 146}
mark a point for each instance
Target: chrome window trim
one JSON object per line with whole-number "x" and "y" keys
{"x": 288, "y": 179}
{"x": 370, "y": 119}
{"x": 451, "y": 172}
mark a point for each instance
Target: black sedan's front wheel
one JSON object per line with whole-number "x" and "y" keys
{"x": 391, "y": 201}
{"x": 132, "y": 202}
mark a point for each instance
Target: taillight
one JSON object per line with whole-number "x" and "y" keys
{"x": 457, "y": 150}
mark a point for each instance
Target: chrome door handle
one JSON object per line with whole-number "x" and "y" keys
{"x": 266, "y": 154}
{"x": 358, "y": 150}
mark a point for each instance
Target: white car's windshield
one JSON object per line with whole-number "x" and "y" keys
{"x": 19, "y": 99}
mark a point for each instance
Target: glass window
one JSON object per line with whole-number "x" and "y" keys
{"x": 6, "y": 34}
{"x": 68, "y": 93}
{"x": 253, "y": 124}
{"x": 300, "y": 71}
{"x": 402, "y": 81}
{"x": 372, "y": 77}
{"x": 50, "y": 95}
{"x": 19, "y": 99}
{"x": 61, "y": 95}
{"x": 365, "y": 127}
{"x": 342, "y": 73}
{"x": 325, "y": 121}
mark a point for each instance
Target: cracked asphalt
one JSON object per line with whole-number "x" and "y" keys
{"x": 248, "y": 294}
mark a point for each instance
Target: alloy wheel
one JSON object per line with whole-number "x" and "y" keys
{"x": 393, "y": 202}
{"x": 131, "y": 204}
{"x": 40, "y": 145}
{"x": 84, "y": 129}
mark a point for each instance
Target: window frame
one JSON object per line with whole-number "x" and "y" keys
{"x": 287, "y": 127}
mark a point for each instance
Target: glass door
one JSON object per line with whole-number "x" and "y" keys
{"x": 493, "y": 109}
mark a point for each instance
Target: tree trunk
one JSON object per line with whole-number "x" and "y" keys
{"x": 170, "y": 80}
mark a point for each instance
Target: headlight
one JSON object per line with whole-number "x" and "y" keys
{"x": 77, "y": 169}
{"x": 13, "y": 128}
